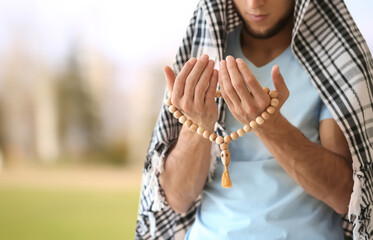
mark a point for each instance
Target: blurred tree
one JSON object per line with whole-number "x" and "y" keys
{"x": 81, "y": 92}
{"x": 79, "y": 120}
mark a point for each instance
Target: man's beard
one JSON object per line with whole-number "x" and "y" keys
{"x": 281, "y": 24}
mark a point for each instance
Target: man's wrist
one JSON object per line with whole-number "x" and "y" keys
{"x": 272, "y": 126}
{"x": 193, "y": 130}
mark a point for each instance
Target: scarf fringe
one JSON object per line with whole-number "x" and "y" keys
{"x": 361, "y": 230}
{"x": 153, "y": 183}
{"x": 153, "y": 189}
{"x": 354, "y": 206}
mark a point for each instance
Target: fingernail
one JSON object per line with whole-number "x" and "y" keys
{"x": 216, "y": 72}
{"x": 230, "y": 59}
{"x": 239, "y": 60}
{"x": 211, "y": 63}
{"x": 204, "y": 57}
{"x": 192, "y": 60}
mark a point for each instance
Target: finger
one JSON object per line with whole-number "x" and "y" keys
{"x": 170, "y": 78}
{"x": 279, "y": 83}
{"x": 178, "y": 88}
{"x": 237, "y": 82}
{"x": 201, "y": 86}
{"x": 194, "y": 76}
{"x": 250, "y": 80}
{"x": 226, "y": 98}
{"x": 211, "y": 90}
{"x": 227, "y": 89}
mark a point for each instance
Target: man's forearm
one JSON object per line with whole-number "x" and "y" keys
{"x": 186, "y": 170}
{"x": 322, "y": 173}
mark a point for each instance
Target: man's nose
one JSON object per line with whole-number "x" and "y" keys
{"x": 253, "y": 4}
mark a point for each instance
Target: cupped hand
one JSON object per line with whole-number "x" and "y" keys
{"x": 245, "y": 97}
{"x": 193, "y": 90}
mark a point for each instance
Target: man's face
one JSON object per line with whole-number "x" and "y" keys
{"x": 265, "y": 18}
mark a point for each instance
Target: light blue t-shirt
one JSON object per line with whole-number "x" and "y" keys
{"x": 265, "y": 203}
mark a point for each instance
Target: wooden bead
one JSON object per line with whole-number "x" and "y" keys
{"x": 247, "y": 128}
{"x": 206, "y": 134}
{"x": 273, "y": 94}
{"x": 240, "y": 132}
{"x": 200, "y": 130}
{"x": 177, "y": 114}
{"x": 188, "y": 123}
{"x": 259, "y": 120}
{"x": 265, "y": 115}
{"x": 212, "y": 137}
{"x": 274, "y": 102}
{"x": 172, "y": 109}
{"x": 266, "y": 90}
{"x": 253, "y": 124}
{"x": 234, "y": 135}
{"x": 227, "y": 139}
{"x": 194, "y": 127}
{"x": 224, "y": 146}
{"x": 271, "y": 110}
{"x": 169, "y": 103}
{"x": 219, "y": 140}
{"x": 218, "y": 94}
{"x": 182, "y": 119}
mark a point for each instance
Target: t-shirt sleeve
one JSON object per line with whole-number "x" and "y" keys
{"x": 324, "y": 112}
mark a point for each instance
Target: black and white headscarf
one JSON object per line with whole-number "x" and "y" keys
{"x": 328, "y": 44}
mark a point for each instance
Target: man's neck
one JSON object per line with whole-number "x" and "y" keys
{"x": 262, "y": 51}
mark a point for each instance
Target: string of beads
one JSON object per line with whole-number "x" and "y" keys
{"x": 223, "y": 142}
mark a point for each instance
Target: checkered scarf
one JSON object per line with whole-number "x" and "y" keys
{"x": 329, "y": 46}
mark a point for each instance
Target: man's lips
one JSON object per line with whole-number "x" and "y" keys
{"x": 258, "y": 17}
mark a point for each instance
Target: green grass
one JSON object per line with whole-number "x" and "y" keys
{"x": 36, "y": 214}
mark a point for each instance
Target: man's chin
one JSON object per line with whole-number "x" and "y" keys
{"x": 271, "y": 31}
{"x": 261, "y": 34}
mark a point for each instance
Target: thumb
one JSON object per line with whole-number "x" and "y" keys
{"x": 279, "y": 83}
{"x": 170, "y": 78}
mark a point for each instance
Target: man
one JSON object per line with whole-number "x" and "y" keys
{"x": 298, "y": 182}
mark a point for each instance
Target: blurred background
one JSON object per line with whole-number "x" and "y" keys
{"x": 81, "y": 85}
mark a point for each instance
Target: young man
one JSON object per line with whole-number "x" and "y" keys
{"x": 293, "y": 175}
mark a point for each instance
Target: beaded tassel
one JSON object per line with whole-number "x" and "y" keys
{"x": 225, "y": 179}
{"x": 224, "y": 141}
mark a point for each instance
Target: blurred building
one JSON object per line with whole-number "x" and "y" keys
{"x": 27, "y": 105}
{"x": 47, "y": 113}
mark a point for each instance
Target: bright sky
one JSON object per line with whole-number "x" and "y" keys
{"x": 361, "y": 11}
{"x": 128, "y": 31}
